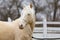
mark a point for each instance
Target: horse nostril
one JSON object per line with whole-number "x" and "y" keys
{"x": 21, "y": 26}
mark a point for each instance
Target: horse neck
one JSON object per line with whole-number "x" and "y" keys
{"x": 28, "y": 29}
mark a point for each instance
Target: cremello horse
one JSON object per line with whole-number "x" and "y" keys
{"x": 13, "y": 31}
{"x": 28, "y": 15}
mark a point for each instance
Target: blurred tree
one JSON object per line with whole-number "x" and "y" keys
{"x": 55, "y": 9}
{"x": 9, "y": 8}
{"x": 14, "y": 3}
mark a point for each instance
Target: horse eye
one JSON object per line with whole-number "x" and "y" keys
{"x": 28, "y": 14}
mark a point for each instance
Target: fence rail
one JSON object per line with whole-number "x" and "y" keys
{"x": 46, "y": 32}
{"x": 40, "y": 22}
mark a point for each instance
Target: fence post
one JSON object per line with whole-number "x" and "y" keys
{"x": 44, "y": 28}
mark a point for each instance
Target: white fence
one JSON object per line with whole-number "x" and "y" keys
{"x": 46, "y": 32}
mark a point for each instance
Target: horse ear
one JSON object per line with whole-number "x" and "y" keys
{"x": 30, "y": 5}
